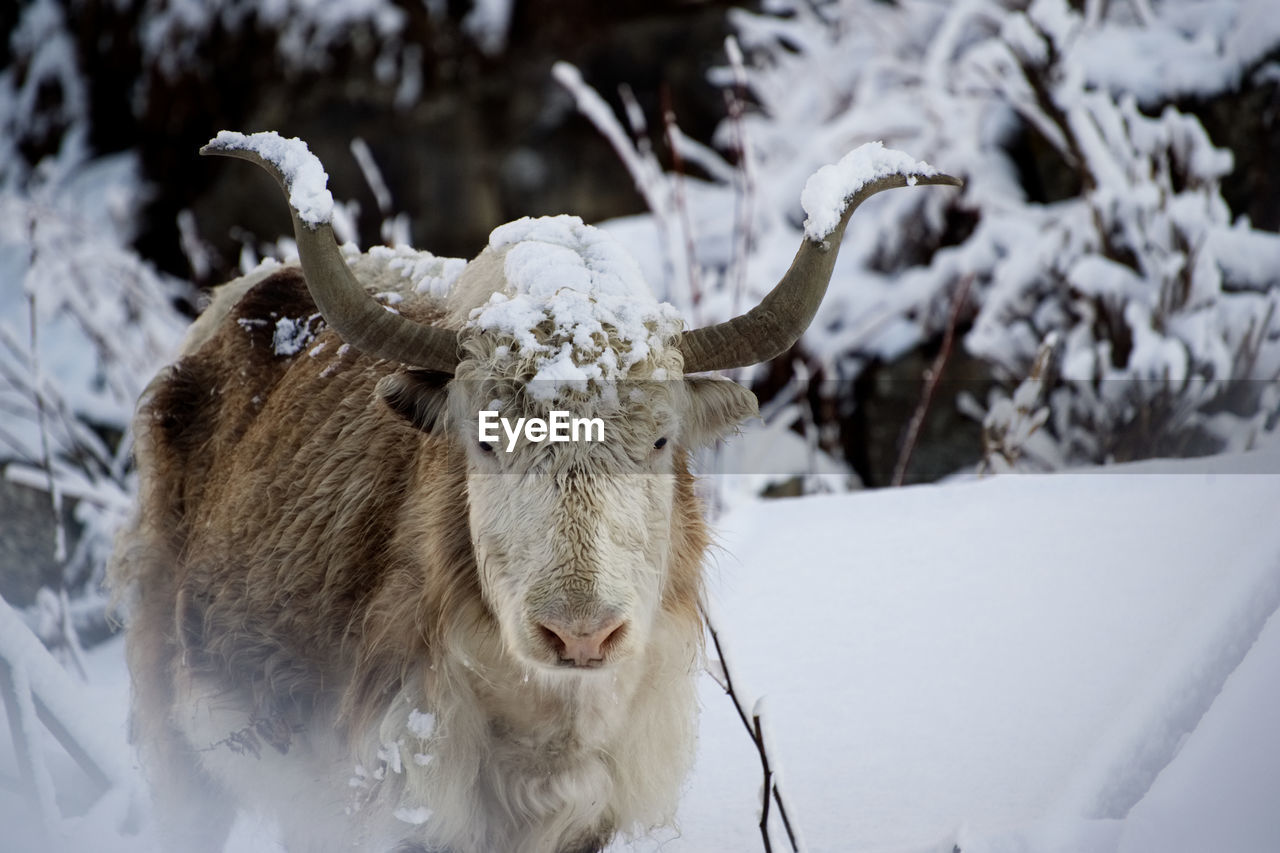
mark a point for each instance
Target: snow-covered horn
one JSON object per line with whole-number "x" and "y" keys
{"x": 343, "y": 302}
{"x": 771, "y": 327}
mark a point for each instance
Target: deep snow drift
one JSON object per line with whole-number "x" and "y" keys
{"x": 1070, "y": 662}
{"x": 1029, "y": 663}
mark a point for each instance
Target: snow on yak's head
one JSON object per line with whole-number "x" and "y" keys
{"x": 569, "y": 387}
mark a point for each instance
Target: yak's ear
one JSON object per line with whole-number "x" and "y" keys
{"x": 418, "y": 396}
{"x": 716, "y": 407}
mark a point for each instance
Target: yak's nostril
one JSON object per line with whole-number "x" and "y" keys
{"x": 583, "y": 643}
{"x": 553, "y": 639}
{"x": 613, "y": 635}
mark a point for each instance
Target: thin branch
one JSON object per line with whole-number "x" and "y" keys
{"x": 67, "y": 629}
{"x": 768, "y": 784}
{"x": 372, "y": 175}
{"x": 932, "y": 377}
{"x": 671, "y": 130}
{"x": 820, "y": 14}
{"x": 756, "y": 732}
{"x": 78, "y": 444}
{"x": 46, "y": 457}
{"x": 735, "y": 104}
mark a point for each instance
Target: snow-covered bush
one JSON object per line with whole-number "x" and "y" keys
{"x": 1093, "y": 208}
{"x": 84, "y": 321}
{"x": 306, "y": 32}
{"x": 1167, "y": 309}
{"x": 43, "y": 99}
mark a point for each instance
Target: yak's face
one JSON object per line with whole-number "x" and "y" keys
{"x": 573, "y": 538}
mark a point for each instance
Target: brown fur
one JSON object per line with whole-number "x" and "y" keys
{"x": 278, "y": 551}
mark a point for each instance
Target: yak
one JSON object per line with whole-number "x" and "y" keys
{"x": 349, "y": 613}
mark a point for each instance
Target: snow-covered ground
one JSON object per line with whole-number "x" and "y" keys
{"x": 1085, "y": 662}
{"x": 1069, "y": 662}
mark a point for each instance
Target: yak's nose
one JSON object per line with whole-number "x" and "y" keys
{"x": 584, "y": 642}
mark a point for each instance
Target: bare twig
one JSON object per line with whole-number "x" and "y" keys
{"x": 768, "y": 783}
{"x": 755, "y": 728}
{"x": 69, "y": 637}
{"x": 372, "y": 175}
{"x": 46, "y": 457}
{"x": 670, "y": 130}
{"x": 800, "y": 370}
{"x": 78, "y": 444}
{"x": 21, "y": 375}
{"x": 931, "y": 378}
{"x": 735, "y": 100}
{"x": 820, "y": 13}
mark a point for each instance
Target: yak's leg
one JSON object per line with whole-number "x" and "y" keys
{"x": 193, "y": 814}
{"x": 191, "y": 811}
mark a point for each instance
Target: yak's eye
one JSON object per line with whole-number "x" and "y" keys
{"x": 486, "y": 447}
{"x": 660, "y": 443}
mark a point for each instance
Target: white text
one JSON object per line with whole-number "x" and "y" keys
{"x": 560, "y": 426}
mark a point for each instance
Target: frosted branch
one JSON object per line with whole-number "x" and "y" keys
{"x": 38, "y": 691}
{"x": 654, "y": 185}
{"x": 932, "y": 377}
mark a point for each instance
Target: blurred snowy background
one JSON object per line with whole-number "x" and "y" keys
{"x": 1105, "y": 290}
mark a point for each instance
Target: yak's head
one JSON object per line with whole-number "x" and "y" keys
{"x": 553, "y": 334}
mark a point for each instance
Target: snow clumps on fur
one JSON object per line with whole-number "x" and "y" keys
{"x": 576, "y": 308}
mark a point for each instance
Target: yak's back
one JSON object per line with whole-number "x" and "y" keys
{"x": 259, "y": 366}
{"x": 197, "y": 410}
{"x": 272, "y": 477}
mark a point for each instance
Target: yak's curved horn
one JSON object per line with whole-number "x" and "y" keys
{"x": 771, "y": 327}
{"x": 343, "y": 301}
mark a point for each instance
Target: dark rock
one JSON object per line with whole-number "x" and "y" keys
{"x": 878, "y": 408}
{"x": 1247, "y": 121}
{"x": 27, "y": 543}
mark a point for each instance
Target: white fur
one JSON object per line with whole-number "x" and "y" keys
{"x": 583, "y": 750}
{"x": 579, "y": 750}
{"x": 304, "y": 790}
